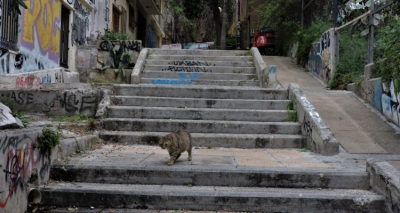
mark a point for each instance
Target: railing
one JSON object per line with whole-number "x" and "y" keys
{"x": 8, "y": 27}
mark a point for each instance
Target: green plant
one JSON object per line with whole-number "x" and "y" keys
{"x": 22, "y": 117}
{"x": 110, "y": 35}
{"x": 48, "y": 140}
{"x": 306, "y": 37}
{"x": 304, "y": 150}
{"x": 388, "y": 46}
{"x": 78, "y": 118}
{"x": 350, "y": 66}
{"x": 292, "y": 112}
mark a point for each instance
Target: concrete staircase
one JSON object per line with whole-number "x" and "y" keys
{"x": 223, "y": 68}
{"x": 238, "y": 119}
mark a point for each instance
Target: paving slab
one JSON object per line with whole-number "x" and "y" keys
{"x": 358, "y": 129}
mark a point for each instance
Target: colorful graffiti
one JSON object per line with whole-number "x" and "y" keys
{"x": 40, "y": 41}
{"x": 320, "y": 59}
{"x": 21, "y": 162}
{"x": 33, "y": 81}
{"x": 184, "y": 79}
{"x": 390, "y": 102}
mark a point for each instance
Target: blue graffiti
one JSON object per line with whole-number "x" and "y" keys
{"x": 378, "y": 94}
{"x": 150, "y": 38}
{"x": 272, "y": 69}
{"x": 46, "y": 79}
{"x": 183, "y": 79}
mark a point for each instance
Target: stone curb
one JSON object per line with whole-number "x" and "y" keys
{"x": 385, "y": 180}
{"x": 319, "y": 137}
{"x": 69, "y": 146}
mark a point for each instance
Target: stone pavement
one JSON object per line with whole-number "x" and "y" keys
{"x": 358, "y": 127}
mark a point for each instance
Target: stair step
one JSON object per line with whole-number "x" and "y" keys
{"x": 211, "y": 198}
{"x": 197, "y": 114}
{"x": 247, "y": 83}
{"x": 210, "y": 140}
{"x": 207, "y": 58}
{"x": 231, "y": 53}
{"x": 199, "y": 102}
{"x": 199, "y": 63}
{"x": 201, "y": 69}
{"x": 198, "y": 91}
{"x": 195, "y": 175}
{"x": 200, "y": 126}
{"x": 197, "y": 76}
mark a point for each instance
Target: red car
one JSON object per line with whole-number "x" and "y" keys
{"x": 263, "y": 39}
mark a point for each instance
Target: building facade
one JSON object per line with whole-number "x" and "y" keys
{"x": 46, "y": 34}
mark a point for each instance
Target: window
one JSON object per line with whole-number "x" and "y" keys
{"x": 8, "y": 27}
{"x": 132, "y": 22}
{"x": 115, "y": 19}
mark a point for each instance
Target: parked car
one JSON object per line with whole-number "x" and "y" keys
{"x": 263, "y": 39}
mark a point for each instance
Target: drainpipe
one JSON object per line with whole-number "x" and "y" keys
{"x": 34, "y": 195}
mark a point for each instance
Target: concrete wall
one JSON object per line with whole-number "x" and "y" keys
{"x": 23, "y": 166}
{"x": 380, "y": 95}
{"x": 57, "y": 100}
{"x": 35, "y": 80}
{"x": 323, "y": 56}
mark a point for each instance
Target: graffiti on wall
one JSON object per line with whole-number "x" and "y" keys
{"x": 390, "y": 102}
{"x": 40, "y": 41}
{"x": 20, "y": 162}
{"x": 320, "y": 57}
{"x": 134, "y": 45}
{"x": 80, "y": 25}
{"x": 73, "y": 102}
{"x": 34, "y": 81}
{"x": 183, "y": 79}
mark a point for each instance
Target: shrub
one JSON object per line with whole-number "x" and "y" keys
{"x": 48, "y": 140}
{"x": 353, "y": 50}
{"x": 388, "y": 53}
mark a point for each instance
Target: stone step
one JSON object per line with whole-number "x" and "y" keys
{"x": 246, "y": 83}
{"x": 199, "y": 63}
{"x": 208, "y": 58}
{"x": 199, "y": 91}
{"x": 201, "y": 69}
{"x": 200, "y": 126}
{"x": 210, "y": 198}
{"x": 195, "y": 175}
{"x": 197, "y": 114}
{"x": 193, "y": 76}
{"x": 246, "y": 141}
{"x": 160, "y": 52}
{"x": 199, "y": 102}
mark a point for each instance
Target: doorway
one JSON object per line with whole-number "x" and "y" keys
{"x": 64, "y": 37}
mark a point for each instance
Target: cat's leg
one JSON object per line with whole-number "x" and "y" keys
{"x": 173, "y": 157}
{"x": 190, "y": 153}
{"x": 177, "y": 157}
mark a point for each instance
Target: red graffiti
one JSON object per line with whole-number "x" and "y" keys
{"x": 18, "y": 169}
{"x": 28, "y": 81}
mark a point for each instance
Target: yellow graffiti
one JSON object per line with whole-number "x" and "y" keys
{"x": 43, "y": 14}
{"x": 29, "y": 20}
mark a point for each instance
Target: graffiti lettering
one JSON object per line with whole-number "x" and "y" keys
{"x": 187, "y": 69}
{"x": 72, "y": 103}
{"x": 27, "y": 81}
{"x": 22, "y": 97}
{"x": 135, "y": 45}
{"x": 191, "y": 63}
{"x": 307, "y": 130}
{"x": 2, "y": 116}
{"x": 182, "y": 81}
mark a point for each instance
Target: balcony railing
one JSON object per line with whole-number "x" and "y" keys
{"x": 8, "y": 27}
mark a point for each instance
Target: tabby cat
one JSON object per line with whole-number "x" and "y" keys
{"x": 176, "y": 143}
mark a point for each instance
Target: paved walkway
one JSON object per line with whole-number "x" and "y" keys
{"x": 356, "y": 125}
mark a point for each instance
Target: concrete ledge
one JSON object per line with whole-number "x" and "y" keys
{"x": 261, "y": 67}
{"x": 319, "y": 137}
{"x": 139, "y": 66}
{"x": 385, "y": 179}
{"x": 73, "y": 145}
{"x": 34, "y": 80}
